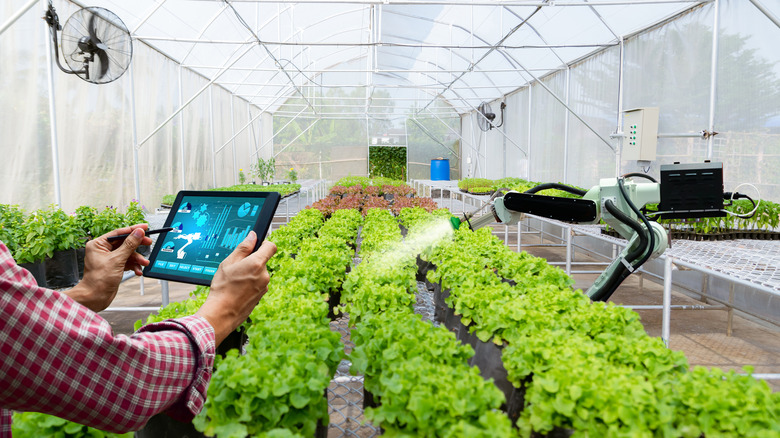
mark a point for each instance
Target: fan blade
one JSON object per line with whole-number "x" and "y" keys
{"x": 91, "y": 29}
{"x": 103, "y": 62}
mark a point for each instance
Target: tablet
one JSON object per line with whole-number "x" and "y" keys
{"x": 207, "y": 227}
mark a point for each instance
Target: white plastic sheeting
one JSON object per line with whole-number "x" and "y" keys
{"x": 330, "y": 76}
{"x": 668, "y": 66}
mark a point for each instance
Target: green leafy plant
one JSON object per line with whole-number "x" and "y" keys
{"x": 11, "y": 224}
{"x": 106, "y": 220}
{"x": 135, "y": 214}
{"x": 36, "y": 425}
{"x": 241, "y": 177}
{"x": 292, "y": 175}
{"x": 264, "y": 170}
{"x": 387, "y": 161}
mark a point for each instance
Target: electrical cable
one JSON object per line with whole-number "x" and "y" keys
{"x": 640, "y": 175}
{"x": 564, "y": 187}
{"x": 644, "y": 219}
{"x": 622, "y": 272}
{"x": 622, "y": 217}
{"x": 741, "y": 196}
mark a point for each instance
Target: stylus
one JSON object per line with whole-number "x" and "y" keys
{"x": 149, "y": 232}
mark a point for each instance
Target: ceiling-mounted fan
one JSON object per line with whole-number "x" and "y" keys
{"x": 486, "y": 116}
{"x": 96, "y": 44}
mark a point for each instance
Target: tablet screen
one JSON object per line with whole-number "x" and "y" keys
{"x": 207, "y": 227}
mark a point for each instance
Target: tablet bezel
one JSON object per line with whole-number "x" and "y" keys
{"x": 261, "y": 226}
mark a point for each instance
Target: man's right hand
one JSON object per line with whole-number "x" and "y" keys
{"x": 239, "y": 284}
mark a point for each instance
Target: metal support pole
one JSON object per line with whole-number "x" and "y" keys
{"x": 569, "y": 233}
{"x": 181, "y": 133}
{"x": 18, "y": 15}
{"x": 519, "y": 234}
{"x": 665, "y": 323}
{"x": 760, "y": 7}
{"x": 165, "y": 296}
{"x": 211, "y": 128}
{"x": 136, "y": 173}
{"x": 55, "y": 159}
{"x": 713, "y": 76}
{"x": 731, "y": 310}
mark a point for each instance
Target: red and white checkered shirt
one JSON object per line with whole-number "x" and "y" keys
{"x": 60, "y": 358}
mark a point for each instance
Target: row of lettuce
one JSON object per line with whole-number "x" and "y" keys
{"x": 589, "y": 367}
{"x": 417, "y": 373}
{"x": 585, "y": 367}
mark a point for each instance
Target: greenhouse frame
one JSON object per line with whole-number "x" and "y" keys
{"x": 397, "y": 133}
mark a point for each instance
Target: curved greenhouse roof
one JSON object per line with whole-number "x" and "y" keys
{"x": 215, "y": 85}
{"x": 463, "y": 52}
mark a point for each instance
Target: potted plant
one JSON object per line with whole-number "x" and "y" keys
{"x": 292, "y": 175}
{"x": 33, "y": 246}
{"x": 11, "y": 220}
{"x": 66, "y": 235}
{"x": 85, "y": 215}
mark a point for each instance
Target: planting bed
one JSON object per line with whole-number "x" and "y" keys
{"x": 517, "y": 353}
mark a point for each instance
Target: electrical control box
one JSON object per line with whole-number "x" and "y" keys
{"x": 640, "y": 128}
{"x": 691, "y": 190}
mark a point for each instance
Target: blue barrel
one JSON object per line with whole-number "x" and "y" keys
{"x": 440, "y": 170}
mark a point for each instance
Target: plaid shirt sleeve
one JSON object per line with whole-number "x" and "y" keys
{"x": 60, "y": 358}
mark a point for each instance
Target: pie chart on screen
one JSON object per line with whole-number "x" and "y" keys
{"x": 244, "y": 209}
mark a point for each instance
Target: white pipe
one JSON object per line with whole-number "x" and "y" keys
{"x": 713, "y": 75}
{"x": 136, "y": 174}
{"x": 17, "y": 15}
{"x": 53, "y": 120}
{"x": 211, "y": 129}
{"x": 181, "y": 135}
{"x": 665, "y": 322}
{"x": 761, "y": 8}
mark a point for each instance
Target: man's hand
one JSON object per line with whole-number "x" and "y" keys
{"x": 237, "y": 287}
{"x": 104, "y": 266}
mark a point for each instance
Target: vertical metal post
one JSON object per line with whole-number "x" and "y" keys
{"x": 667, "y": 309}
{"x": 55, "y": 158}
{"x": 181, "y": 132}
{"x": 619, "y": 143}
{"x": 530, "y": 120}
{"x": 566, "y": 129}
{"x": 704, "y": 284}
{"x": 506, "y": 235}
{"x": 165, "y": 295}
{"x": 713, "y": 75}
{"x": 136, "y": 174}
{"x": 211, "y": 128}
{"x": 731, "y": 310}
{"x": 568, "y": 250}
{"x": 233, "y": 135}
{"x": 519, "y": 235}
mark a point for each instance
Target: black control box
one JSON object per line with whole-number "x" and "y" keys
{"x": 691, "y": 190}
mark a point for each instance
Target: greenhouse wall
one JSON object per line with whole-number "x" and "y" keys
{"x": 668, "y": 66}
{"x": 94, "y": 125}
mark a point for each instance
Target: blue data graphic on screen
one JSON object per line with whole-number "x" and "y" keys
{"x": 205, "y": 231}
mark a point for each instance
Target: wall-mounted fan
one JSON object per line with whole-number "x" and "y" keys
{"x": 96, "y": 44}
{"x": 486, "y": 116}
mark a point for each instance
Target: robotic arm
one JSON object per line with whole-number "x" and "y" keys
{"x": 685, "y": 191}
